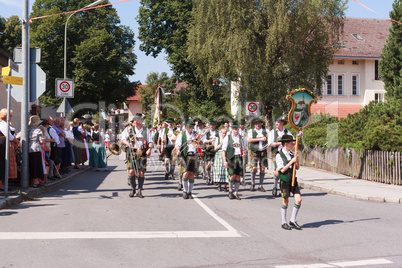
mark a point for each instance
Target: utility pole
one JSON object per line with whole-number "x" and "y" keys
{"x": 25, "y": 94}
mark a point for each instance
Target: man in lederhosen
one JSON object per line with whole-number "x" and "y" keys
{"x": 139, "y": 144}
{"x": 187, "y": 152}
{"x": 168, "y": 141}
{"x": 209, "y": 142}
{"x": 285, "y": 160}
{"x": 243, "y": 133}
{"x": 232, "y": 151}
{"x": 258, "y": 139}
{"x": 273, "y": 141}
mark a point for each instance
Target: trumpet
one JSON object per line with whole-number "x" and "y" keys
{"x": 114, "y": 148}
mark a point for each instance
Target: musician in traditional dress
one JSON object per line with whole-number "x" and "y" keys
{"x": 209, "y": 143}
{"x": 286, "y": 160}
{"x": 168, "y": 142}
{"x": 258, "y": 140}
{"x": 139, "y": 144}
{"x": 243, "y": 133}
{"x": 186, "y": 146}
{"x": 232, "y": 152}
{"x": 200, "y": 159}
{"x": 273, "y": 141}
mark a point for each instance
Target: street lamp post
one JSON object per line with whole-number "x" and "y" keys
{"x": 65, "y": 34}
{"x": 65, "y": 46}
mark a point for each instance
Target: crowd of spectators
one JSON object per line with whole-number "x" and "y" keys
{"x": 55, "y": 147}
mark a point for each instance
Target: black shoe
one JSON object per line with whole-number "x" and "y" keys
{"x": 139, "y": 194}
{"x": 225, "y": 189}
{"x": 166, "y": 176}
{"x": 231, "y": 196}
{"x": 286, "y": 226}
{"x": 185, "y": 195}
{"x": 295, "y": 225}
{"x": 190, "y": 196}
{"x": 252, "y": 187}
{"x": 179, "y": 188}
{"x": 132, "y": 193}
{"x": 261, "y": 189}
{"x": 237, "y": 196}
{"x": 274, "y": 192}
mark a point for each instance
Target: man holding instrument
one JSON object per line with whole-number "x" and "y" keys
{"x": 139, "y": 144}
{"x": 168, "y": 141}
{"x": 287, "y": 163}
{"x": 186, "y": 147}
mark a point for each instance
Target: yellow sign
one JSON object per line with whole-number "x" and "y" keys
{"x": 5, "y": 70}
{"x": 14, "y": 80}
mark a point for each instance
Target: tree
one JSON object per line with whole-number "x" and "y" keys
{"x": 163, "y": 26}
{"x": 391, "y": 56}
{"x": 268, "y": 46}
{"x": 10, "y": 33}
{"x": 100, "y": 54}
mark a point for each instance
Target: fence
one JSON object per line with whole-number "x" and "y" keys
{"x": 378, "y": 166}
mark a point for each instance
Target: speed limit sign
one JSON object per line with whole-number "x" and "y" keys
{"x": 252, "y": 108}
{"x": 64, "y": 88}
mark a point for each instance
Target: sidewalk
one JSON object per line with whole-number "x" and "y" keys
{"x": 333, "y": 183}
{"x": 17, "y": 194}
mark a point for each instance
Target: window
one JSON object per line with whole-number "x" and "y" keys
{"x": 379, "y": 97}
{"x": 341, "y": 62}
{"x": 329, "y": 84}
{"x": 355, "y": 85}
{"x": 355, "y": 62}
{"x": 377, "y": 70}
{"x": 358, "y": 37}
{"x": 340, "y": 84}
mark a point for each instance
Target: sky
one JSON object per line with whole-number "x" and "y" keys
{"x": 147, "y": 64}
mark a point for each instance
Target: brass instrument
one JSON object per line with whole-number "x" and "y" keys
{"x": 198, "y": 137}
{"x": 133, "y": 141}
{"x": 114, "y": 148}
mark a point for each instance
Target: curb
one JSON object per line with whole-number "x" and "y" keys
{"x": 30, "y": 193}
{"x": 361, "y": 197}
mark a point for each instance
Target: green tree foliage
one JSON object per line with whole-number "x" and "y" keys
{"x": 100, "y": 54}
{"x": 269, "y": 46}
{"x": 10, "y": 33}
{"x": 391, "y": 56}
{"x": 163, "y": 26}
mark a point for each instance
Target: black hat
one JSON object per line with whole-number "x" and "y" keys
{"x": 212, "y": 122}
{"x": 286, "y": 138}
{"x": 196, "y": 119}
{"x": 137, "y": 116}
{"x": 242, "y": 121}
{"x": 170, "y": 120}
{"x": 256, "y": 120}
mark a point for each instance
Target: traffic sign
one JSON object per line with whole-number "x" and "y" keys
{"x": 37, "y": 79}
{"x": 64, "y": 88}
{"x": 5, "y": 71}
{"x": 14, "y": 80}
{"x": 252, "y": 108}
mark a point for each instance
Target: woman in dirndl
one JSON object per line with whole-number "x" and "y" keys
{"x": 97, "y": 155}
{"x": 221, "y": 175}
{"x": 79, "y": 146}
{"x": 36, "y": 139}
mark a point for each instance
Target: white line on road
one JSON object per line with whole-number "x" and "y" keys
{"x": 360, "y": 263}
{"x": 231, "y": 232}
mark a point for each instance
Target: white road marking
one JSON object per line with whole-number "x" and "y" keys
{"x": 339, "y": 264}
{"x": 231, "y": 232}
{"x": 361, "y": 263}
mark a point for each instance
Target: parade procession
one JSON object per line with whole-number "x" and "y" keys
{"x": 226, "y": 156}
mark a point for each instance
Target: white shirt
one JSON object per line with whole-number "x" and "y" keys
{"x": 53, "y": 134}
{"x": 169, "y": 136}
{"x": 3, "y": 129}
{"x": 107, "y": 137}
{"x": 190, "y": 138}
{"x": 280, "y": 134}
{"x": 236, "y": 144}
{"x": 259, "y": 135}
{"x": 279, "y": 160}
{"x": 140, "y": 135}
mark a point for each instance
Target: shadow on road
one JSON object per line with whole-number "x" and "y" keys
{"x": 330, "y": 222}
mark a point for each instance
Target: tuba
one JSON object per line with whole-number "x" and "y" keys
{"x": 114, "y": 148}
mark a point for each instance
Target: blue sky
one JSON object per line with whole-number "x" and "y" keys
{"x": 147, "y": 64}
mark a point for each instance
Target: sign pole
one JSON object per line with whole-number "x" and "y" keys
{"x": 25, "y": 96}
{"x": 7, "y": 164}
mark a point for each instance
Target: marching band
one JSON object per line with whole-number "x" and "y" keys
{"x": 222, "y": 155}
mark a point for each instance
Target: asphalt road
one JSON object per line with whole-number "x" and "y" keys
{"x": 91, "y": 222}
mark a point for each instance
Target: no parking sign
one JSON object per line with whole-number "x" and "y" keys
{"x": 64, "y": 88}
